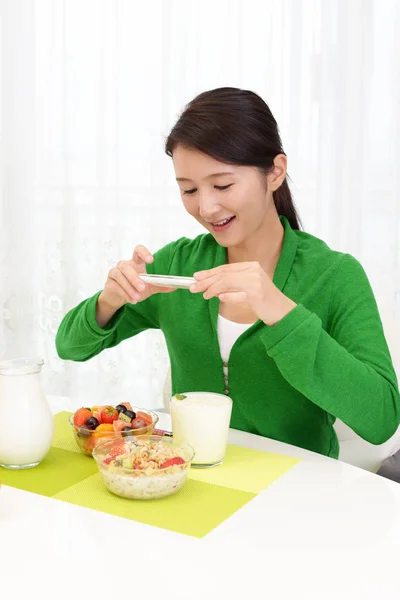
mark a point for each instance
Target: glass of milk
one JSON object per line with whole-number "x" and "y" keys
{"x": 26, "y": 421}
{"x": 202, "y": 420}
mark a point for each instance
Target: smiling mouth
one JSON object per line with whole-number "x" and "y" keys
{"x": 222, "y": 223}
{"x": 219, "y": 226}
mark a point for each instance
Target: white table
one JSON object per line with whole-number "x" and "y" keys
{"x": 324, "y": 530}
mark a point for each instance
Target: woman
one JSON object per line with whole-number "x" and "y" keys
{"x": 286, "y": 326}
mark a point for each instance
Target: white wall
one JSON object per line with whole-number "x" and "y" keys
{"x": 89, "y": 89}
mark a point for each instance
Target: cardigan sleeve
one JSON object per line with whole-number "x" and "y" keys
{"x": 79, "y": 337}
{"x": 346, "y": 370}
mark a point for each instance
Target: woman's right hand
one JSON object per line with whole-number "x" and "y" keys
{"x": 124, "y": 285}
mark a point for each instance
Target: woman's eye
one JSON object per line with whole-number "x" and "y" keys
{"x": 223, "y": 187}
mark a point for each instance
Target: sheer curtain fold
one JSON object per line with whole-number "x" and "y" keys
{"x": 89, "y": 89}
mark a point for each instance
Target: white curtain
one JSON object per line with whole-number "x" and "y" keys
{"x": 89, "y": 89}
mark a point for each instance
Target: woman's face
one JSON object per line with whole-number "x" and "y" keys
{"x": 232, "y": 202}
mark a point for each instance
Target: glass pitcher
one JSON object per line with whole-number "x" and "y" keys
{"x": 26, "y": 421}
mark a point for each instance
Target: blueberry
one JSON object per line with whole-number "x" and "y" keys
{"x": 121, "y": 408}
{"x": 130, "y": 414}
{"x": 92, "y": 423}
{"x": 127, "y": 430}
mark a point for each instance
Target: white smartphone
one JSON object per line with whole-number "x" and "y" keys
{"x": 182, "y": 283}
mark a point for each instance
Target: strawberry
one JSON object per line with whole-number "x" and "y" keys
{"x": 96, "y": 412}
{"x": 109, "y": 414}
{"x": 177, "y": 460}
{"x": 81, "y": 416}
{"x": 115, "y": 451}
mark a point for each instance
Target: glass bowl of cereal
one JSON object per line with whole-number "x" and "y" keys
{"x": 143, "y": 467}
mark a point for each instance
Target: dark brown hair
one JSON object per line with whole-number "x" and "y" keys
{"x": 236, "y": 127}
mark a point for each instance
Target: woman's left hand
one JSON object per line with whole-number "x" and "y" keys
{"x": 248, "y": 283}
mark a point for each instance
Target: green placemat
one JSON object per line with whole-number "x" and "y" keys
{"x": 195, "y": 510}
{"x": 208, "y": 498}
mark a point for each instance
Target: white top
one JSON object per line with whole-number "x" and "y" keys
{"x": 341, "y": 521}
{"x": 228, "y": 333}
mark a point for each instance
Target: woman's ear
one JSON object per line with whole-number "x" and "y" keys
{"x": 277, "y": 175}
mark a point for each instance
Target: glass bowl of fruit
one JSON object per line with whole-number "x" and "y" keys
{"x": 143, "y": 467}
{"x": 99, "y": 423}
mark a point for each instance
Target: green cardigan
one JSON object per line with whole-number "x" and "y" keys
{"x": 327, "y": 358}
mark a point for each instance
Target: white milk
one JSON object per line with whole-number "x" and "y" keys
{"x": 202, "y": 420}
{"x": 26, "y": 421}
